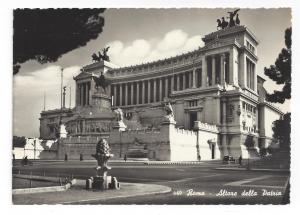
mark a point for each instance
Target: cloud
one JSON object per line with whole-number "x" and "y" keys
{"x": 141, "y": 51}
{"x": 28, "y": 91}
{"x": 172, "y": 40}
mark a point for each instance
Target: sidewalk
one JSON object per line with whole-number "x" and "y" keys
{"x": 77, "y": 194}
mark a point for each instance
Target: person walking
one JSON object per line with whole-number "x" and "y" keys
{"x": 125, "y": 157}
{"x": 240, "y": 160}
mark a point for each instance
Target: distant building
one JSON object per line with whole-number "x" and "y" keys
{"x": 217, "y": 97}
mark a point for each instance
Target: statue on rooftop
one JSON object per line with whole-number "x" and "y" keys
{"x": 222, "y": 23}
{"x": 103, "y": 55}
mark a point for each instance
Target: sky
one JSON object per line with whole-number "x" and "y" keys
{"x": 136, "y": 36}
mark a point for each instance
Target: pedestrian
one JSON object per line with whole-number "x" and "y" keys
{"x": 125, "y": 157}
{"x": 25, "y": 160}
{"x": 240, "y": 160}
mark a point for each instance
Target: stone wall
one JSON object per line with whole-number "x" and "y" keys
{"x": 209, "y": 140}
{"x": 153, "y": 142}
{"x": 74, "y": 146}
{"x": 183, "y": 145}
{"x": 166, "y": 143}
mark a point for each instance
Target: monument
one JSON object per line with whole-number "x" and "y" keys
{"x": 213, "y": 92}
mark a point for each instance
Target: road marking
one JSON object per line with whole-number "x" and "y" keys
{"x": 143, "y": 179}
{"x": 165, "y": 180}
{"x": 242, "y": 183}
{"x": 188, "y": 179}
{"x": 239, "y": 183}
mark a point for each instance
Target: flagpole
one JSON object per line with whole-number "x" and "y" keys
{"x": 70, "y": 97}
{"x": 61, "y": 88}
{"x": 44, "y": 100}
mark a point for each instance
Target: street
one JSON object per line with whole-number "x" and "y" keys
{"x": 191, "y": 184}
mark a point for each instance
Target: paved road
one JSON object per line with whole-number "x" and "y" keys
{"x": 195, "y": 184}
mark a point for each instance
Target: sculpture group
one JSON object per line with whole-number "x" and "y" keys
{"x": 102, "y": 56}
{"x": 101, "y": 83}
{"x": 222, "y": 23}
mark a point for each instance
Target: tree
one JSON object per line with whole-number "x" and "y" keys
{"x": 282, "y": 131}
{"x": 281, "y": 71}
{"x": 46, "y": 34}
{"x": 19, "y": 141}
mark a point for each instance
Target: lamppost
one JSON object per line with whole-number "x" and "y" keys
{"x": 120, "y": 132}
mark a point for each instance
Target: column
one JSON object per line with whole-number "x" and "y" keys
{"x": 255, "y": 78}
{"x": 121, "y": 94}
{"x": 115, "y": 95}
{"x": 92, "y": 88}
{"x": 178, "y": 82}
{"x": 137, "y": 93}
{"x": 160, "y": 89}
{"x": 183, "y": 80}
{"x": 191, "y": 79}
{"x": 149, "y": 91}
{"x": 77, "y": 95}
{"x": 223, "y": 113}
{"x": 204, "y": 72}
{"x": 84, "y": 94}
{"x": 166, "y": 86}
{"x": 109, "y": 89}
{"x": 222, "y": 69}
{"x": 126, "y": 94}
{"x": 81, "y": 94}
{"x": 172, "y": 83}
{"x": 154, "y": 90}
{"x": 194, "y": 78}
{"x": 131, "y": 93}
{"x": 243, "y": 68}
{"x": 87, "y": 93}
{"x": 143, "y": 92}
{"x": 224, "y": 144}
{"x": 213, "y": 70}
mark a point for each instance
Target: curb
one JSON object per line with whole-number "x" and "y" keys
{"x": 258, "y": 170}
{"x": 36, "y": 177}
{"x": 167, "y": 190}
{"x": 173, "y": 163}
{"x": 44, "y": 189}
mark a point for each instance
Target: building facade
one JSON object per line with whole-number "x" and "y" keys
{"x": 217, "y": 98}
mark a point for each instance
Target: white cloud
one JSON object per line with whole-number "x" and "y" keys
{"x": 173, "y": 40}
{"x": 193, "y": 43}
{"x": 140, "y": 51}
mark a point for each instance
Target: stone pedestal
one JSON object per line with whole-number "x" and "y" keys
{"x": 101, "y": 182}
{"x": 62, "y": 131}
{"x": 120, "y": 126}
{"x": 167, "y": 120}
{"x": 102, "y": 100}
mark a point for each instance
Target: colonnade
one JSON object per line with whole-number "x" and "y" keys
{"x": 215, "y": 70}
{"x": 83, "y": 93}
{"x": 154, "y": 89}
